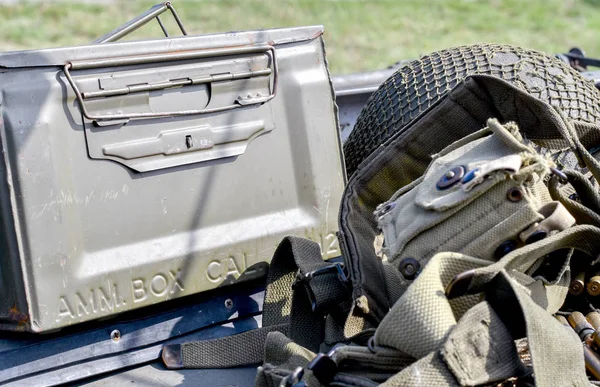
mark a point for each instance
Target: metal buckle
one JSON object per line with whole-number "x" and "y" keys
{"x": 335, "y": 266}
{"x": 323, "y": 367}
{"x": 303, "y": 278}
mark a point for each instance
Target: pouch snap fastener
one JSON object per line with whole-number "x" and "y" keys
{"x": 505, "y": 248}
{"x": 409, "y": 268}
{"x": 536, "y": 237}
{"x": 450, "y": 178}
{"x": 384, "y": 208}
{"x": 470, "y": 175}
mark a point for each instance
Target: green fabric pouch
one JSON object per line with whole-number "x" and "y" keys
{"x": 478, "y": 193}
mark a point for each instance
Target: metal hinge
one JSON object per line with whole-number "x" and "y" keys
{"x": 175, "y": 83}
{"x": 179, "y": 56}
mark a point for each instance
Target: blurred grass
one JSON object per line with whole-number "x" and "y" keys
{"x": 360, "y": 35}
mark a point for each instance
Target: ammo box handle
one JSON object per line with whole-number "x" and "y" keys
{"x": 158, "y": 58}
{"x": 141, "y": 20}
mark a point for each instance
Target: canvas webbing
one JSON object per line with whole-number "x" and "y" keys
{"x": 585, "y": 238}
{"x": 481, "y": 348}
{"x": 556, "y": 351}
{"x": 301, "y": 288}
{"x": 585, "y": 209}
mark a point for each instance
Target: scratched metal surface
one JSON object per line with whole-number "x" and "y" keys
{"x": 154, "y": 374}
{"x": 76, "y": 354}
{"x": 84, "y": 237}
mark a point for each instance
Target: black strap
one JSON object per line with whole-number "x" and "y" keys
{"x": 301, "y": 289}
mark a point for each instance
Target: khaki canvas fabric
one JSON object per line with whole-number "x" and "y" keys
{"x": 454, "y": 322}
{"x": 406, "y": 155}
{"x": 464, "y": 340}
{"x": 426, "y": 220}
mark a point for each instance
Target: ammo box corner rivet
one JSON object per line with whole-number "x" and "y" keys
{"x": 115, "y": 335}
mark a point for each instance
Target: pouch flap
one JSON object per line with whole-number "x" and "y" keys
{"x": 472, "y": 168}
{"x": 461, "y": 173}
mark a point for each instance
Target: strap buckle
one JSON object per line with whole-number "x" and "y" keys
{"x": 323, "y": 367}
{"x": 333, "y": 267}
{"x": 306, "y": 278}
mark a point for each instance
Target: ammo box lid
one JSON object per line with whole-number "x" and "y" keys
{"x": 190, "y": 161}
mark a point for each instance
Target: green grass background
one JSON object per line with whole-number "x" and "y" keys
{"x": 360, "y": 35}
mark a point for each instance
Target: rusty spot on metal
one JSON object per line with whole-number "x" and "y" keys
{"x": 317, "y": 34}
{"x": 18, "y": 316}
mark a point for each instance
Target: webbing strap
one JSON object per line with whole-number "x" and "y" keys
{"x": 230, "y": 351}
{"x": 420, "y": 320}
{"x": 300, "y": 288}
{"x": 556, "y": 351}
{"x": 586, "y": 209}
{"x": 315, "y": 288}
{"x": 481, "y": 349}
{"x": 569, "y": 133}
{"x": 588, "y": 194}
{"x": 585, "y": 238}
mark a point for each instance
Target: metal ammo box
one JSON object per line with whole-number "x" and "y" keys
{"x": 134, "y": 173}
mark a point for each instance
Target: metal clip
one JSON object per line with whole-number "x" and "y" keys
{"x": 303, "y": 278}
{"x": 335, "y": 266}
{"x": 562, "y": 178}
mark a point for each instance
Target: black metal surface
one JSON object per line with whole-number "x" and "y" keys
{"x": 69, "y": 357}
{"x": 98, "y": 366}
{"x": 154, "y": 374}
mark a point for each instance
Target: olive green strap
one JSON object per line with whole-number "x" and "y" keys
{"x": 585, "y": 207}
{"x": 300, "y": 289}
{"x": 420, "y": 320}
{"x": 556, "y": 351}
{"x": 480, "y": 349}
{"x": 585, "y": 238}
{"x": 569, "y": 131}
{"x": 230, "y": 351}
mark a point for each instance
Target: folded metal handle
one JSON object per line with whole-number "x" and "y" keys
{"x": 158, "y": 58}
{"x": 141, "y": 20}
